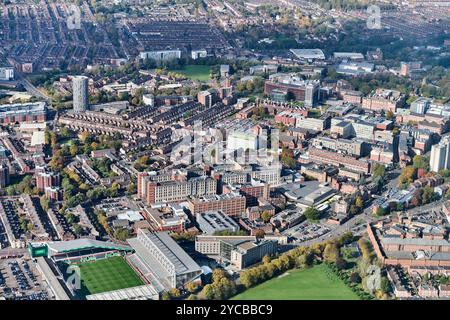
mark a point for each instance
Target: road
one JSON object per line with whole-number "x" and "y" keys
{"x": 28, "y": 85}
{"x": 31, "y": 88}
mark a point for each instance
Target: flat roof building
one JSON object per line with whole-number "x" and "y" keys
{"x": 214, "y": 221}
{"x": 308, "y": 54}
{"x": 240, "y": 251}
{"x": 23, "y": 112}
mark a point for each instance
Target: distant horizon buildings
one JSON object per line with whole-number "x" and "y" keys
{"x": 440, "y": 155}
{"x": 6, "y": 73}
{"x": 80, "y": 93}
{"x": 308, "y": 54}
{"x": 161, "y": 55}
{"x": 282, "y": 87}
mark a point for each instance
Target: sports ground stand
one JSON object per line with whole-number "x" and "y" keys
{"x": 161, "y": 261}
{"x": 134, "y": 293}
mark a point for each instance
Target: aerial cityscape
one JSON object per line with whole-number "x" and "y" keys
{"x": 224, "y": 150}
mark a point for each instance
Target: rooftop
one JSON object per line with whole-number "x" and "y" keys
{"x": 80, "y": 244}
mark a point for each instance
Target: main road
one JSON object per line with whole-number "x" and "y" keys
{"x": 28, "y": 85}
{"x": 31, "y": 88}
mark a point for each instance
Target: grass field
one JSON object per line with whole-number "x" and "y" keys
{"x": 195, "y": 72}
{"x": 316, "y": 283}
{"x": 106, "y": 275}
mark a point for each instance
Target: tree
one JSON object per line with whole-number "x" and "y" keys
{"x": 77, "y": 229}
{"x": 407, "y": 176}
{"x": 218, "y": 274}
{"x": 122, "y": 234}
{"x": 266, "y": 259}
{"x": 390, "y": 115}
{"x": 378, "y": 171}
{"x": 57, "y": 161}
{"x": 131, "y": 188}
{"x": 341, "y": 264}
{"x": 260, "y": 233}
{"x": 45, "y": 203}
{"x": 165, "y": 296}
{"x": 331, "y": 252}
{"x": 312, "y": 214}
{"x": 380, "y": 212}
{"x": 73, "y": 150}
{"x": 192, "y": 287}
{"x": 366, "y": 253}
{"x": 208, "y": 292}
{"x": 266, "y": 216}
{"x": 64, "y": 132}
{"x": 174, "y": 292}
{"x": 247, "y": 278}
{"x": 355, "y": 278}
{"x": 359, "y": 203}
{"x": 304, "y": 260}
{"x": 428, "y": 195}
{"x": 143, "y": 161}
{"x": 85, "y": 137}
{"x": 384, "y": 285}
{"x": 421, "y": 162}
{"x": 447, "y": 194}
{"x": 287, "y": 158}
{"x": 47, "y": 136}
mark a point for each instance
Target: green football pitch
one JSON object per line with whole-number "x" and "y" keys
{"x": 195, "y": 72}
{"x": 316, "y": 283}
{"x": 106, "y": 275}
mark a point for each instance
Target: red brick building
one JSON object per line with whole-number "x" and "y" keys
{"x": 231, "y": 204}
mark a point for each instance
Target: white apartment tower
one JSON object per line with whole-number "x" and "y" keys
{"x": 80, "y": 93}
{"x": 440, "y": 155}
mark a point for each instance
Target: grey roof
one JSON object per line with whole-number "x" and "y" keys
{"x": 144, "y": 292}
{"x": 440, "y": 256}
{"x": 170, "y": 249}
{"x": 308, "y": 53}
{"x": 148, "y": 260}
{"x": 79, "y": 244}
{"x": 415, "y": 241}
{"x": 52, "y": 280}
{"x": 426, "y": 255}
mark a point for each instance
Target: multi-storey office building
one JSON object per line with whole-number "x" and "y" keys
{"x": 173, "y": 191}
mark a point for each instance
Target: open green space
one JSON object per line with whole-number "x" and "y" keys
{"x": 106, "y": 275}
{"x": 195, "y": 72}
{"x": 316, "y": 283}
